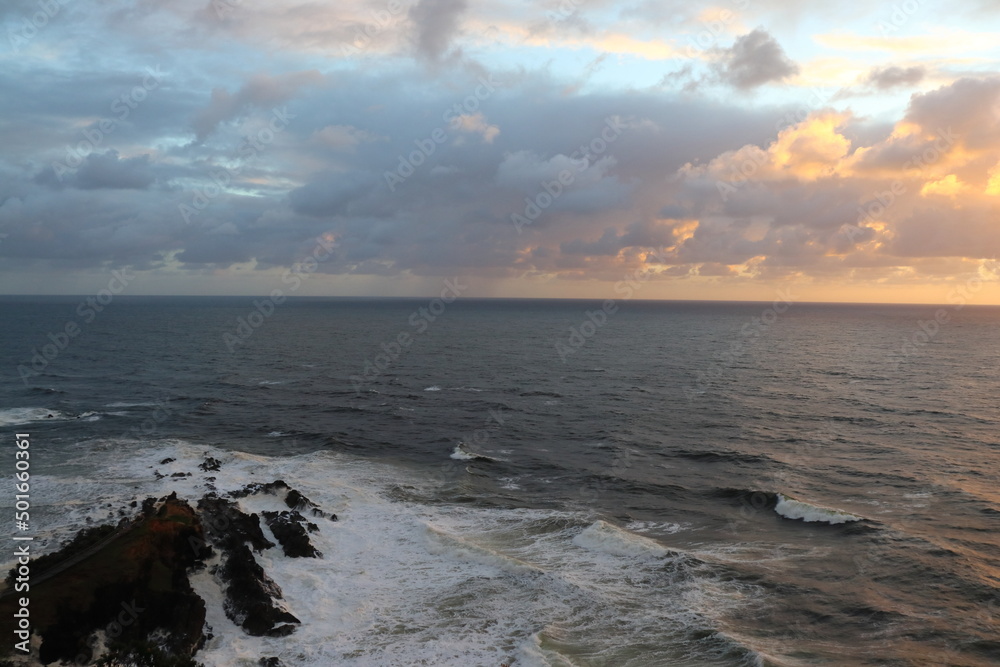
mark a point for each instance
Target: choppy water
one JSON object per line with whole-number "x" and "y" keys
{"x": 676, "y": 484}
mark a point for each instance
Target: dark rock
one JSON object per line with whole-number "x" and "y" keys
{"x": 228, "y": 527}
{"x": 277, "y": 487}
{"x": 250, "y": 596}
{"x": 166, "y": 461}
{"x": 297, "y": 501}
{"x": 106, "y": 576}
{"x": 270, "y": 662}
{"x": 250, "y": 593}
{"x": 181, "y": 474}
{"x": 289, "y": 530}
{"x": 210, "y": 465}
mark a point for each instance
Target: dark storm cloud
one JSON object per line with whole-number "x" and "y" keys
{"x": 102, "y": 170}
{"x": 512, "y": 134}
{"x": 108, "y": 170}
{"x": 754, "y": 60}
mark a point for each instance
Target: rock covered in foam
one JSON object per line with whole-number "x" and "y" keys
{"x": 289, "y": 528}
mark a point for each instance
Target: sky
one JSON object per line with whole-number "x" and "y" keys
{"x": 655, "y": 149}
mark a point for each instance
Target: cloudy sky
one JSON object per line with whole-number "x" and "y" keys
{"x": 728, "y": 150}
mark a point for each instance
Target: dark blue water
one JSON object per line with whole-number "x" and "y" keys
{"x": 650, "y": 484}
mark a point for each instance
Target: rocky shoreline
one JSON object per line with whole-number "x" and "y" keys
{"x": 122, "y": 595}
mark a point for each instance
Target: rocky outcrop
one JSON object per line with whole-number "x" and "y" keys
{"x": 289, "y": 528}
{"x": 250, "y": 594}
{"x": 129, "y": 583}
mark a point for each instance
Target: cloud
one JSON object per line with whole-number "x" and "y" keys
{"x": 105, "y": 170}
{"x": 343, "y": 137}
{"x": 477, "y": 123}
{"x": 436, "y": 23}
{"x": 261, "y": 91}
{"x": 884, "y": 78}
{"x": 754, "y": 59}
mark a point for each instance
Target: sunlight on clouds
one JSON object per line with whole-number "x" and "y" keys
{"x": 993, "y": 185}
{"x": 949, "y": 186}
{"x": 935, "y": 41}
{"x": 812, "y": 149}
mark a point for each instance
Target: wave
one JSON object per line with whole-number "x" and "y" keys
{"x": 18, "y": 416}
{"x": 790, "y": 508}
{"x": 723, "y": 457}
{"x": 432, "y": 388}
{"x": 405, "y": 582}
{"x": 603, "y": 536}
{"x": 463, "y": 453}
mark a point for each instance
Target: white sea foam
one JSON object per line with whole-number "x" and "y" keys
{"x": 463, "y": 453}
{"x": 791, "y": 508}
{"x": 403, "y": 583}
{"x": 432, "y": 388}
{"x": 663, "y": 527}
{"x": 603, "y": 536}
{"x": 17, "y": 416}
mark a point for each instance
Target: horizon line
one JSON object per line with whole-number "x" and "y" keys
{"x": 504, "y": 298}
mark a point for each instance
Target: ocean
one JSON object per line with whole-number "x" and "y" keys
{"x": 534, "y": 482}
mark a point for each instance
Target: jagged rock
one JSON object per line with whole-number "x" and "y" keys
{"x": 250, "y": 596}
{"x": 250, "y": 593}
{"x": 167, "y": 460}
{"x": 294, "y": 499}
{"x": 297, "y": 501}
{"x": 289, "y": 530}
{"x": 228, "y": 527}
{"x": 270, "y": 662}
{"x": 210, "y": 465}
{"x": 277, "y": 487}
